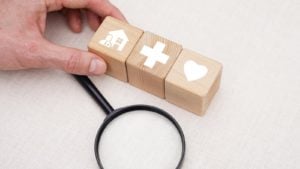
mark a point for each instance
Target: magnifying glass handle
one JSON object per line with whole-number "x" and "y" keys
{"x": 89, "y": 86}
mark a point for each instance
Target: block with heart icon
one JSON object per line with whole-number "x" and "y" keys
{"x": 114, "y": 41}
{"x": 193, "y": 81}
{"x": 150, "y": 62}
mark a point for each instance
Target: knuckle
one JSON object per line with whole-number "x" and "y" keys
{"x": 32, "y": 47}
{"x": 92, "y": 3}
{"x": 31, "y": 54}
{"x": 53, "y": 4}
{"x": 72, "y": 62}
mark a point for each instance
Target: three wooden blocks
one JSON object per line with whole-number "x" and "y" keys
{"x": 157, "y": 65}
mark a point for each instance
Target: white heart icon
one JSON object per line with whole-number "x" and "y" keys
{"x": 194, "y": 71}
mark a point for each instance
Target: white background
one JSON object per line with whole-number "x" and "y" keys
{"x": 47, "y": 120}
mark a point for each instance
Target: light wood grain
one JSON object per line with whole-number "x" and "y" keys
{"x": 196, "y": 95}
{"x": 151, "y": 79}
{"x": 114, "y": 58}
{"x": 49, "y": 122}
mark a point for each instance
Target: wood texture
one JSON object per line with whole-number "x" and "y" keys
{"x": 49, "y": 122}
{"x": 194, "y": 95}
{"x": 151, "y": 79}
{"x": 114, "y": 57}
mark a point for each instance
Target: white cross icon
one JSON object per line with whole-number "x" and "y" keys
{"x": 154, "y": 55}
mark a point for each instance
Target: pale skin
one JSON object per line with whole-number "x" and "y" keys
{"x": 22, "y": 41}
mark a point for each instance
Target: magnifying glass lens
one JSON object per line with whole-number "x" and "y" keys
{"x": 140, "y": 140}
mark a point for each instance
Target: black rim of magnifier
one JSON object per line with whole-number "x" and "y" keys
{"x": 112, "y": 114}
{"x": 130, "y": 109}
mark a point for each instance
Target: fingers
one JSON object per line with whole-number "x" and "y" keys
{"x": 93, "y": 20}
{"x": 100, "y": 7}
{"x": 72, "y": 60}
{"x": 74, "y": 19}
{"x": 107, "y": 9}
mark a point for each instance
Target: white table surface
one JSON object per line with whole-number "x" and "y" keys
{"x": 48, "y": 121}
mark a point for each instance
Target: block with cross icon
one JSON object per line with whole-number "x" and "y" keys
{"x": 150, "y": 61}
{"x": 193, "y": 81}
{"x": 114, "y": 41}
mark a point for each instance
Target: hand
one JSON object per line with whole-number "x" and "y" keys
{"x": 22, "y": 42}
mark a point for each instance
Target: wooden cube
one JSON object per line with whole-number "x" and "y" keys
{"x": 150, "y": 62}
{"x": 114, "y": 41}
{"x": 193, "y": 81}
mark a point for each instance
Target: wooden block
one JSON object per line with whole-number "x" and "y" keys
{"x": 193, "y": 81}
{"x": 114, "y": 41}
{"x": 150, "y": 62}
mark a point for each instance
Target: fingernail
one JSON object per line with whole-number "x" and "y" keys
{"x": 97, "y": 67}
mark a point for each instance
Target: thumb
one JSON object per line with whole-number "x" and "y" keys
{"x": 73, "y": 60}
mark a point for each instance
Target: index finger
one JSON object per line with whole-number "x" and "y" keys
{"x": 100, "y": 7}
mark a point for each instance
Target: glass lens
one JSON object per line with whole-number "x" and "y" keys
{"x": 140, "y": 140}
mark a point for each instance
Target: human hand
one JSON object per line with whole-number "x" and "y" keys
{"x": 22, "y": 41}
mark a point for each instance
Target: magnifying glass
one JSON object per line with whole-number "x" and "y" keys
{"x": 114, "y": 116}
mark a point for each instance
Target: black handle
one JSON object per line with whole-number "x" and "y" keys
{"x": 89, "y": 86}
